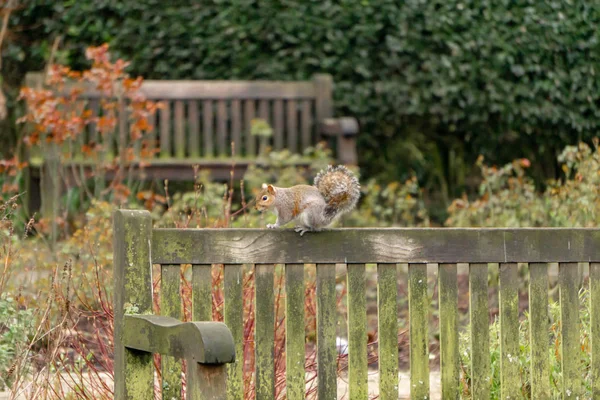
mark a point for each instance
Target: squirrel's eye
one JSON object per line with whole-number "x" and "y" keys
{"x": 264, "y": 198}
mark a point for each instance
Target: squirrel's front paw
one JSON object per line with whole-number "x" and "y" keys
{"x": 271, "y": 226}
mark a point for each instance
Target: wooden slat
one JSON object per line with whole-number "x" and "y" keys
{"x": 165, "y": 130}
{"x": 373, "y": 245}
{"x": 264, "y": 332}
{"x": 323, "y": 84}
{"x": 387, "y": 317}
{"x": 448, "y": 305}
{"x": 480, "y": 334}
{"x": 326, "y": 323}
{"x": 179, "y": 130}
{"x": 222, "y": 127}
{"x": 569, "y": 322}
{"x": 538, "y": 312}
{"x": 123, "y": 138}
{"x": 357, "y": 331}
{"x": 233, "y": 318}
{"x": 194, "y": 124}
{"x": 134, "y": 370}
{"x": 236, "y": 126}
{"x": 595, "y": 327}
{"x": 278, "y": 124}
{"x": 294, "y": 331}
{"x": 94, "y": 107}
{"x": 305, "y": 124}
{"x": 151, "y": 136}
{"x": 509, "y": 331}
{"x": 291, "y": 126}
{"x": 170, "y": 306}
{"x": 201, "y": 292}
{"x": 207, "y": 128}
{"x": 249, "y": 110}
{"x": 418, "y": 306}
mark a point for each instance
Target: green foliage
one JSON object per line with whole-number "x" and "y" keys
{"x": 16, "y": 325}
{"x": 524, "y": 357}
{"x": 508, "y": 197}
{"x": 434, "y": 84}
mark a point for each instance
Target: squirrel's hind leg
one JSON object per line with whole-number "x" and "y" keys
{"x": 303, "y": 229}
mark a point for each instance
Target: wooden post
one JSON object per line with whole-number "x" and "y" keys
{"x": 134, "y": 377}
{"x": 50, "y": 188}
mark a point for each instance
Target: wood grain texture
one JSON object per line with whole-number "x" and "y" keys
{"x": 179, "y": 121}
{"x": 249, "y": 115}
{"x": 165, "y": 130}
{"x": 357, "y": 331}
{"x": 264, "y": 332}
{"x": 539, "y": 332}
{"x": 194, "y": 124}
{"x": 292, "y": 126}
{"x": 448, "y": 305}
{"x": 387, "y": 318}
{"x": 326, "y": 323}
{"x": 294, "y": 331}
{"x": 133, "y": 294}
{"x": 170, "y": 306}
{"x": 418, "y": 307}
{"x": 278, "y": 124}
{"x": 306, "y": 123}
{"x": 222, "y": 134}
{"x": 568, "y": 279}
{"x": 480, "y": 332}
{"x": 595, "y": 327}
{"x": 233, "y": 312}
{"x": 207, "y": 128}
{"x": 369, "y": 245}
{"x": 236, "y": 127}
{"x": 510, "y": 384}
{"x": 201, "y": 292}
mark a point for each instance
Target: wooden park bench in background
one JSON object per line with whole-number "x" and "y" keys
{"x": 202, "y": 118}
{"x": 138, "y": 334}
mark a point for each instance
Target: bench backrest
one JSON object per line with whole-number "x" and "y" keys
{"x": 258, "y": 251}
{"x": 202, "y": 118}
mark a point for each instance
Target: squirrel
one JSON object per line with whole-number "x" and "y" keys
{"x": 335, "y": 191}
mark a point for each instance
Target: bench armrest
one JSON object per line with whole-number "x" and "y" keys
{"x": 345, "y": 129}
{"x": 201, "y": 342}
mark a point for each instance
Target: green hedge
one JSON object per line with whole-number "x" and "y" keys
{"x": 434, "y": 83}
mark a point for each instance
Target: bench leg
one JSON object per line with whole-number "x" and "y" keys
{"x": 205, "y": 382}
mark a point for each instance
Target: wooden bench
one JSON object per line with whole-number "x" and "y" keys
{"x": 137, "y": 246}
{"x": 202, "y": 118}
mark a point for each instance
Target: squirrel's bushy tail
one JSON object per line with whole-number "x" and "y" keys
{"x": 340, "y": 188}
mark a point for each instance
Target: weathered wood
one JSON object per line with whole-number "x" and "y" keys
{"x": 418, "y": 308}
{"x": 170, "y": 306}
{"x": 369, "y": 245}
{"x": 306, "y": 124}
{"x": 236, "y": 126}
{"x": 206, "y": 382}
{"x": 165, "y": 130}
{"x": 357, "y": 331}
{"x": 569, "y": 323}
{"x": 202, "y": 342}
{"x": 233, "y": 317}
{"x": 179, "y": 130}
{"x": 538, "y": 312}
{"x": 222, "y": 127}
{"x": 595, "y": 327}
{"x": 326, "y": 322}
{"x": 480, "y": 341}
{"x": 201, "y": 292}
{"x": 448, "y": 306}
{"x": 207, "y": 128}
{"x": 323, "y": 84}
{"x": 132, "y": 294}
{"x": 294, "y": 331}
{"x": 217, "y": 90}
{"x": 292, "y": 126}
{"x": 249, "y": 110}
{"x": 194, "y": 124}
{"x": 387, "y": 318}
{"x": 278, "y": 124}
{"x": 509, "y": 331}
{"x": 264, "y": 332}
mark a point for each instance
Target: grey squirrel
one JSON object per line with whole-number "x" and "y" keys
{"x": 335, "y": 191}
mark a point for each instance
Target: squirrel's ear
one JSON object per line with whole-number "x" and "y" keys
{"x": 271, "y": 189}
